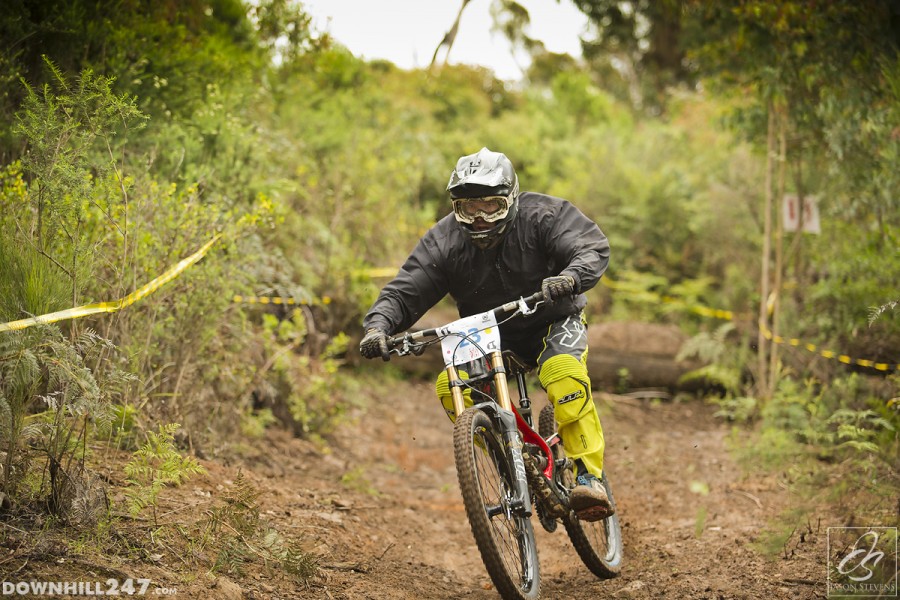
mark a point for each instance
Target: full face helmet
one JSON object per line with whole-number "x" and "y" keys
{"x": 484, "y": 190}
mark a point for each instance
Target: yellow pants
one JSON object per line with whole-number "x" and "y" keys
{"x": 569, "y": 391}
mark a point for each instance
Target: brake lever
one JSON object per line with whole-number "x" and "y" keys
{"x": 523, "y": 308}
{"x": 404, "y": 347}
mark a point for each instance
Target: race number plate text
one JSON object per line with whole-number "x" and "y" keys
{"x": 469, "y": 338}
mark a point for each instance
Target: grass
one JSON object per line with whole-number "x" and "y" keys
{"x": 355, "y": 479}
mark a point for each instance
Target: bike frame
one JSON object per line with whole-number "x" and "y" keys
{"x": 504, "y": 401}
{"x": 515, "y": 431}
{"x": 531, "y": 477}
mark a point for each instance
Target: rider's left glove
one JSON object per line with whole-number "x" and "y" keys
{"x": 374, "y": 344}
{"x": 557, "y": 287}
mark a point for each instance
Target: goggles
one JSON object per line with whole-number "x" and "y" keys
{"x": 489, "y": 208}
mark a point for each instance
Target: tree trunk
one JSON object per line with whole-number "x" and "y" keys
{"x": 449, "y": 37}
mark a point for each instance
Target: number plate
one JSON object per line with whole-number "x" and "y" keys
{"x": 469, "y": 338}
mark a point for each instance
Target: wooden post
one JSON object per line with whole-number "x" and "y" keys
{"x": 762, "y": 386}
{"x": 772, "y": 377}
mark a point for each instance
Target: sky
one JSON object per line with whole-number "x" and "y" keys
{"x": 406, "y": 32}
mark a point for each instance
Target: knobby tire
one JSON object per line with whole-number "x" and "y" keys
{"x": 598, "y": 544}
{"x": 505, "y": 540}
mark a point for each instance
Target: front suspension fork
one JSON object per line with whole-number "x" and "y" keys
{"x": 501, "y": 413}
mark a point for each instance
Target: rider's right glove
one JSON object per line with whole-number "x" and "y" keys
{"x": 374, "y": 344}
{"x": 557, "y": 287}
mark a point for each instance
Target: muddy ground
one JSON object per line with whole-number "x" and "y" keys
{"x": 382, "y": 513}
{"x": 387, "y": 518}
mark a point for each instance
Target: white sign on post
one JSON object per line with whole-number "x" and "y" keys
{"x": 791, "y": 213}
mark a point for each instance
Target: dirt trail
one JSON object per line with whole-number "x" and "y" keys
{"x": 383, "y": 514}
{"x": 384, "y": 511}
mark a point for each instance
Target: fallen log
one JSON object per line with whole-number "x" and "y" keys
{"x": 627, "y": 355}
{"x": 621, "y": 355}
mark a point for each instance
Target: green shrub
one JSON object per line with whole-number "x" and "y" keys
{"x": 50, "y": 401}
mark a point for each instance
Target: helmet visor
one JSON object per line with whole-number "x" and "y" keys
{"x": 489, "y": 208}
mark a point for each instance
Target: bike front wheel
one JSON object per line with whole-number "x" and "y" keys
{"x": 598, "y": 544}
{"x": 504, "y": 538}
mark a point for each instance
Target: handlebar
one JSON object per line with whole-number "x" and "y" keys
{"x": 408, "y": 341}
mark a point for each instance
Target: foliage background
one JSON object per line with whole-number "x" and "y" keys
{"x": 132, "y": 132}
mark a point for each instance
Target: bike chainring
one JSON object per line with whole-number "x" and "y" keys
{"x": 550, "y": 504}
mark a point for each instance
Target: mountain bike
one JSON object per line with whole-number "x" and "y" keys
{"x": 507, "y": 471}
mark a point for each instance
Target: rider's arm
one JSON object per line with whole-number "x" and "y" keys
{"x": 577, "y": 242}
{"x": 419, "y": 285}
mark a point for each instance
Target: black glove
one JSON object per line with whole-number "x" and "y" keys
{"x": 374, "y": 344}
{"x": 557, "y": 287}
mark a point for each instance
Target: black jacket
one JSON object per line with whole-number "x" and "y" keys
{"x": 549, "y": 236}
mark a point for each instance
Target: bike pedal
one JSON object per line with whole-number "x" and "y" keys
{"x": 592, "y": 514}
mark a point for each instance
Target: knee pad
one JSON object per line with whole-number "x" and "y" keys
{"x": 568, "y": 387}
{"x": 442, "y": 387}
{"x": 569, "y": 391}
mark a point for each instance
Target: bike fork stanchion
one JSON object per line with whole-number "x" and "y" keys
{"x": 459, "y": 402}
{"x": 500, "y": 380}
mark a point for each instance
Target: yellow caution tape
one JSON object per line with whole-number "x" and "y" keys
{"x": 728, "y": 315}
{"x": 113, "y": 306}
{"x": 843, "y": 358}
{"x": 324, "y": 300}
{"x": 714, "y": 313}
{"x": 704, "y": 311}
{"x": 376, "y": 273}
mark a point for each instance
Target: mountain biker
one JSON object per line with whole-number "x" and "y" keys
{"x": 498, "y": 245}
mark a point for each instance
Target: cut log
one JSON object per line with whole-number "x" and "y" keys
{"x": 620, "y": 354}
{"x": 635, "y": 355}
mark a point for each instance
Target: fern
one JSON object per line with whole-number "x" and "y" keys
{"x": 232, "y": 557}
{"x": 297, "y": 562}
{"x": 875, "y": 312}
{"x": 241, "y": 511}
{"x": 808, "y": 413}
{"x": 860, "y": 417}
{"x": 713, "y": 350}
{"x": 156, "y": 465}
{"x": 6, "y": 416}
{"x": 707, "y": 347}
{"x": 728, "y": 378}
{"x": 242, "y": 535}
{"x": 49, "y": 400}
{"x": 859, "y": 446}
{"x": 740, "y": 408}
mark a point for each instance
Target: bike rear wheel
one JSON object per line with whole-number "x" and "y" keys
{"x": 598, "y": 544}
{"x": 504, "y": 539}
